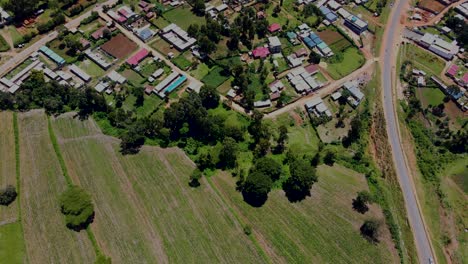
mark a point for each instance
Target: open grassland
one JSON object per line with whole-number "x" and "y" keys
{"x": 145, "y": 209}
{"x": 11, "y": 244}
{"x": 321, "y": 229}
{"x": 47, "y": 239}
{"x": 7, "y": 164}
{"x": 422, "y": 59}
{"x": 352, "y": 60}
{"x": 183, "y": 17}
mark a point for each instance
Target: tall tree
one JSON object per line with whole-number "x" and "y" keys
{"x": 209, "y": 97}
{"x": 255, "y": 189}
{"x": 303, "y": 176}
{"x": 228, "y": 153}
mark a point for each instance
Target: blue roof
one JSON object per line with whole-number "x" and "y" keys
{"x": 52, "y": 55}
{"x": 313, "y": 36}
{"x": 324, "y": 10}
{"x": 146, "y": 34}
{"x": 310, "y": 44}
{"x": 291, "y": 35}
{"x": 331, "y": 17}
{"x": 317, "y": 41}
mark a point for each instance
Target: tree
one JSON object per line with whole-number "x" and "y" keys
{"x": 205, "y": 161}
{"x": 314, "y": 57}
{"x": 361, "y": 201}
{"x": 262, "y": 148}
{"x": 329, "y": 158}
{"x": 193, "y": 30}
{"x": 8, "y": 195}
{"x": 255, "y": 189}
{"x": 206, "y": 45}
{"x": 195, "y": 178}
{"x": 209, "y": 97}
{"x": 198, "y": 7}
{"x": 131, "y": 142}
{"x": 77, "y": 207}
{"x": 21, "y": 8}
{"x": 106, "y": 33}
{"x": 453, "y": 89}
{"x": 228, "y": 154}
{"x": 282, "y": 138}
{"x": 303, "y": 176}
{"x": 268, "y": 167}
{"x": 370, "y": 230}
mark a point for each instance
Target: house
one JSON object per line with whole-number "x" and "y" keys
{"x": 149, "y": 89}
{"x": 275, "y": 27}
{"x": 439, "y": 46}
{"x": 5, "y": 18}
{"x": 117, "y": 17}
{"x": 329, "y": 15}
{"x": 99, "y": 34}
{"x": 445, "y": 30}
{"x": 145, "y": 34}
{"x": 452, "y": 71}
{"x": 116, "y": 77}
{"x": 294, "y": 61}
{"x": 85, "y": 44}
{"x": 356, "y": 94}
{"x": 276, "y": 86}
{"x": 275, "y": 96}
{"x": 138, "y": 57}
{"x": 292, "y": 37}
{"x": 126, "y": 12}
{"x": 98, "y": 59}
{"x": 302, "y": 80}
{"x": 231, "y": 94}
{"x": 311, "y": 69}
{"x": 317, "y": 107}
{"x": 274, "y": 44}
{"x": 195, "y": 87}
{"x": 421, "y": 81}
{"x": 264, "y": 103}
{"x": 335, "y": 96}
{"x": 143, "y": 4}
{"x": 156, "y": 74}
{"x": 302, "y": 52}
{"x": 334, "y": 5}
{"x": 261, "y": 52}
{"x": 261, "y": 15}
{"x": 80, "y": 73}
{"x": 52, "y": 55}
{"x": 177, "y": 37}
{"x": 356, "y": 24}
{"x": 101, "y": 86}
{"x": 221, "y": 8}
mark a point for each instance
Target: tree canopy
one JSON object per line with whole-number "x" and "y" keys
{"x": 8, "y": 195}
{"x": 361, "y": 201}
{"x": 256, "y": 187}
{"x": 303, "y": 176}
{"x": 77, "y": 207}
{"x": 370, "y": 230}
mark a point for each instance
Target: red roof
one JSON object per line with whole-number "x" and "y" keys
{"x": 452, "y": 71}
{"x": 143, "y": 4}
{"x": 465, "y": 77}
{"x": 122, "y": 19}
{"x": 98, "y": 33}
{"x": 274, "y": 27}
{"x": 123, "y": 12}
{"x": 137, "y": 58}
{"x": 261, "y": 52}
{"x": 311, "y": 68}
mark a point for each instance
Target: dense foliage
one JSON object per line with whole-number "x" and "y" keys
{"x": 7, "y": 195}
{"x": 303, "y": 176}
{"x": 361, "y": 202}
{"x": 371, "y": 230}
{"x": 77, "y": 207}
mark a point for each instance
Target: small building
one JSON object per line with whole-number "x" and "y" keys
{"x": 311, "y": 69}
{"x": 80, "y": 73}
{"x": 85, "y": 44}
{"x": 177, "y": 37}
{"x": 99, "y": 34}
{"x": 156, "y": 74}
{"x": 329, "y": 15}
{"x": 145, "y": 34}
{"x": 231, "y": 94}
{"x": 439, "y": 46}
{"x": 138, "y": 57}
{"x": 302, "y": 52}
{"x": 276, "y": 86}
{"x": 101, "y": 86}
{"x": 126, "y": 12}
{"x": 334, "y": 5}
{"x": 294, "y": 61}
{"x": 52, "y": 55}
{"x": 452, "y": 71}
{"x": 194, "y": 87}
{"x": 116, "y": 77}
{"x": 261, "y": 53}
{"x": 335, "y": 96}
{"x": 356, "y": 24}
{"x": 221, "y": 8}
{"x": 261, "y": 104}
{"x": 274, "y": 44}
{"x": 5, "y": 18}
{"x": 445, "y": 30}
{"x": 149, "y": 89}
{"x": 275, "y": 27}
{"x": 421, "y": 81}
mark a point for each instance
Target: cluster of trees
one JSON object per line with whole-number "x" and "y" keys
{"x": 7, "y": 195}
{"x": 22, "y": 8}
{"x": 371, "y": 230}
{"x": 460, "y": 28}
{"x": 77, "y": 207}
{"x": 362, "y": 201}
{"x": 53, "y": 97}
{"x": 312, "y": 10}
{"x": 57, "y": 19}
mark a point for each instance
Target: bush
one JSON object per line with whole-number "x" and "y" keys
{"x": 77, "y": 207}
{"x": 8, "y": 195}
{"x": 370, "y": 230}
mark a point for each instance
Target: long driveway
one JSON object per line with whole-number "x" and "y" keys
{"x": 388, "y": 60}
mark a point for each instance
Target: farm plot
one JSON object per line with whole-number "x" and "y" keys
{"x": 42, "y": 181}
{"x": 431, "y": 5}
{"x": 7, "y": 164}
{"x": 321, "y": 229}
{"x": 145, "y": 209}
{"x": 119, "y": 46}
{"x": 335, "y": 40}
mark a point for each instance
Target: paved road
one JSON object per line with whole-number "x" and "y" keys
{"x": 24, "y": 54}
{"x": 388, "y": 61}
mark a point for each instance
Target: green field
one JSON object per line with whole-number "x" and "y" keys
{"x": 145, "y": 209}
{"x": 7, "y": 164}
{"x": 200, "y": 71}
{"x": 12, "y": 244}
{"x": 430, "y": 96}
{"x": 91, "y": 68}
{"x": 422, "y": 59}
{"x": 3, "y": 44}
{"x": 182, "y": 62}
{"x": 352, "y": 60}
{"x": 183, "y": 17}
{"x": 214, "y": 78}
{"x": 321, "y": 229}
{"x": 42, "y": 181}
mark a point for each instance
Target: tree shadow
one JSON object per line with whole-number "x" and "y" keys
{"x": 82, "y": 226}
{"x": 295, "y": 196}
{"x": 359, "y": 207}
{"x": 255, "y": 200}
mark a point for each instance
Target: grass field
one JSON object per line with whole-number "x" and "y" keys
{"x": 183, "y": 17}
{"x": 7, "y": 165}
{"x": 91, "y": 68}
{"x": 47, "y": 239}
{"x": 214, "y": 77}
{"x": 3, "y": 44}
{"x": 430, "y": 96}
{"x": 200, "y": 71}
{"x": 352, "y": 60}
{"x": 422, "y": 59}
{"x": 12, "y": 244}
{"x": 321, "y": 229}
{"x": 145, "y": 209}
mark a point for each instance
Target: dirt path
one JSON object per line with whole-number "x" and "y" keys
{"x": 434, "y": 19}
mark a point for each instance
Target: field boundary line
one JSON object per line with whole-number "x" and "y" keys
{"x": 261, "y": 251}
{"x": 63, "y": 166}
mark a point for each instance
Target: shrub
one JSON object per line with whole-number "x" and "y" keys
{"x": 77, "y": 207}
{"x": 7, "y": 195}
{"x": 370, "y": 230}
